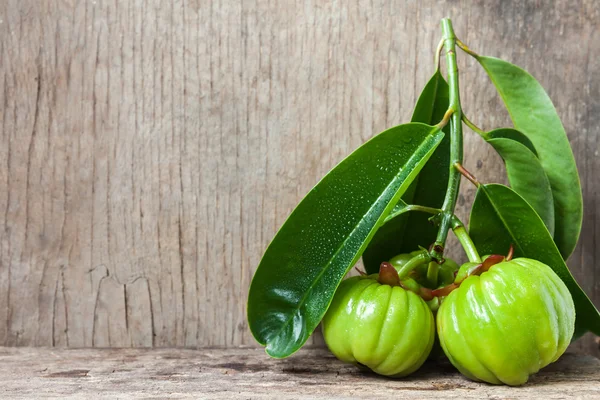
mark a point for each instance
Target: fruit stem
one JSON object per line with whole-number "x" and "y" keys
{"x": 432, "y": 273}
{"x": 465, "y": 240}
{"x": 411, "y": 207}
{"x": 413, "y": 263}
{"x": 456, "y": 143}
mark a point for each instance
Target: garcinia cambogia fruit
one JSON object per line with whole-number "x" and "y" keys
{"x": 446, "y": 274}
{"x": 383, "y": 327}
{"x": 507, "y": 323}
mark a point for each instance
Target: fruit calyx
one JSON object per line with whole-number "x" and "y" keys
{"x": 472, "y": 268}
{"x": 389, "y": 276}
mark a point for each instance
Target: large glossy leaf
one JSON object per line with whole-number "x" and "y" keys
{"x": 527, "y": 177}
{"x": 407, "y": 232}
{"x": 500, "y": 217}
{"x": 533, "y": 113}
{"x": 328, "y": 231}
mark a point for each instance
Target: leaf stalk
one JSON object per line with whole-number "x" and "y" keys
{"x": 474, "y": 127}
{"x": 440, "y": 47}
{"x": 466, "y": 49}
{"x": 463, "y": 171}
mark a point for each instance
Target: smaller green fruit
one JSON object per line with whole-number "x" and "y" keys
{"x": 385, "y": 328}
{"x": 446, "y": 273}
{"x": 401, "y": 259}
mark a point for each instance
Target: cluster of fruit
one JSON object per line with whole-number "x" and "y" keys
{"x": 497, "y": 321}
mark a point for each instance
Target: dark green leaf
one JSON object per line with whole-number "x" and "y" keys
{"x": 533, "y": 114}
{"x": 527, "y": 177}
{"x": 500, "y": 217}
{"x": 428, "y": 189}
{"x": 327, "y": 233}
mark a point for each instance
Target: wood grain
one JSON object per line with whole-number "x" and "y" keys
{"x": 150, "y": 149}
{"x": 249, "y": 373}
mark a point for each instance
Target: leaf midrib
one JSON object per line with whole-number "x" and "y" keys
{"x": 499, "y": 215}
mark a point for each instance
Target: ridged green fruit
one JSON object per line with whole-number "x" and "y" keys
{"x": 384, "y": 328}
{"x": 507, "y": 323}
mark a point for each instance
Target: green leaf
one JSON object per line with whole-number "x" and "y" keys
{"x": 533, "y": 114}
{"x": 428, "y": 189}
{"x": 509, "y": 133}
{"x": 500, "y": 217}
{"x": 328, "y": 231}
{"x": 527, "y": 177}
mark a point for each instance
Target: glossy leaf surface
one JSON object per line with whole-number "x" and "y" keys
{"x": 500, "y": 217}
{"x": 327, "y": 233}
{"x": 527, "y": 177}
{"x": 533, "y": 113}
{"x": 407, "y": 232}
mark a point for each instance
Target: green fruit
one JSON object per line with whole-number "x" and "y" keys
{"x": 507, "y": 323}
{"x": 446, "y": 271}
{"x": 401, "y": 259}
{"x": 385, "y": 328}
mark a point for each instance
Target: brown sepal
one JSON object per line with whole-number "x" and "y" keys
{"x": 511, "y": 253}
{"x": 491, "y": 261}
{"x": 445, "y": 291}
{"x": 426, "y": 294}
{"x": 388, "y": 275}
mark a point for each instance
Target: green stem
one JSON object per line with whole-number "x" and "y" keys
{"x": 474, "y": 127}
{"x": 437, "y": 55}
{"x": 413, "y": 263}
{"x": 466, "y": 49}
{"x": 428, "y": 210}
{"x": 463, "y": 171}
{"x": 456, "y": 142}
{"x": 465, "y": 240}
{"x": 432, "y": 273}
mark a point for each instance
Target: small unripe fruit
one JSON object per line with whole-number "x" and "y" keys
{"x": 385, "y": 328}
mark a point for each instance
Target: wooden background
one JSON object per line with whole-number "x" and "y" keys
{"x": 149, "y": 150}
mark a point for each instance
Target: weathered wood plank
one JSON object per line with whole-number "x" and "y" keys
{"x": 249, "y": 373}
{"x": 150, "y": 149}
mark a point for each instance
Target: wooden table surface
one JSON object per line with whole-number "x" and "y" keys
{"x": 247, "y": 373}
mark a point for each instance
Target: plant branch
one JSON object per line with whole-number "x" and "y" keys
{"x": 456, "y": 142}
